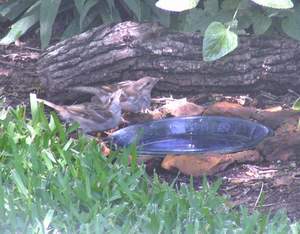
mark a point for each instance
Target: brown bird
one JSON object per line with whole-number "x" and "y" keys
{"x": 136, "y": 96}
{"x": 92, "y": 116}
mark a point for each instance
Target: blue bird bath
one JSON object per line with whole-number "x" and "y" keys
{"x": 191, "y": 135}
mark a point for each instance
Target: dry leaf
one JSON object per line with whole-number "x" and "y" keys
{"x": 207, "y": 164}
{"x": 230, "y": 110}
{"x": 283, "y": 181}
{"x": 274, "y": 109}
{"x": 289, "y": 125}
{"x": 281, "y": 147}
{"x": 182, "y": 107}
{"x": 274, "y": 119}
{"x": 104, "y": 149}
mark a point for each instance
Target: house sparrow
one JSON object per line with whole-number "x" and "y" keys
{"x": 92, "y": 116}
{"x": 136, "y": 96}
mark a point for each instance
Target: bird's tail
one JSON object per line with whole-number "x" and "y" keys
{"x": 51, "y": 104}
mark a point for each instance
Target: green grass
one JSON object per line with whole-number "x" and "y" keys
{"x": 53, "y": 184}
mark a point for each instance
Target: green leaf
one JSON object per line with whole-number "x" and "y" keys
{"x": 277, "y": 4}
{"x": 296, "y": 105}
{"x": 13, "y": 9}
{"x": 48, "y": 13}
{"x": 176, "y": 5}
{"x": 72, "y": 29}
{"x": 22, "y": 25}
{"x": 177, "y": 20}
{"x": 230, "y": 4}
{"x": 114, "y": 13}
{"x": 234, "y": 4}
{"x": 48, "y": 219}
{"x": 218, "y": 41}
{"x": 159, "y": 15}
{"x": 83, "y": 7}
{"x": 79, "y": 4}
{"x": 196, "y": 20}
{"x": 290, "y": 25}
{"x": 135, "y": 7}
{"x": 211, "y": 6}
{"x": 260, "y": 22}
{"x": 107, "y": 12}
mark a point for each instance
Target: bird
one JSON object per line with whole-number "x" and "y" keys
{"x": 136, "y": 96}
{"x": 92, "y": 117}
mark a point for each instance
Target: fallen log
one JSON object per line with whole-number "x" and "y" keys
{"x": 130, "y": 50}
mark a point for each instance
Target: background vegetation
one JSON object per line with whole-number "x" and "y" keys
{"x": 235, "y": 17}
{"x": 53, "y": 183}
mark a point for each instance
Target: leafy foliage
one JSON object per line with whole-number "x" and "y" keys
{"x": 177, "y": 5}
{"x": 79, "y": 15}
{"x": 48, "y": 12}
{"x": 278, "y": 4}
{"x": 218, "y": 41}
{"x": 290, "y": 24}
{"x": 53, "y": 183}
{"x": 75, "y": 16}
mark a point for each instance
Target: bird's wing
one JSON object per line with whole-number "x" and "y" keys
{"x": 90, "y": 111}
{"x": 110, "y": 88}
{"x": 99, "y": 91}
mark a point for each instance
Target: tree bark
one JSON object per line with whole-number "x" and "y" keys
{"x": 18, "y": 76}
{"x": 130, "y": 50}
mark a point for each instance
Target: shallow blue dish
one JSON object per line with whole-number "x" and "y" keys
{"x": 191, "y": 135}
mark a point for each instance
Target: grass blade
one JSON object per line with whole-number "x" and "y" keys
{"x": 19, "y": 182}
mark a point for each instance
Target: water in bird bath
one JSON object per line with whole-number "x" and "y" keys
{"x": 191, "y": 135}
{"x": 188, "y": 143}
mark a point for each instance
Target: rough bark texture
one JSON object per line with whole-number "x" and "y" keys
{"x": 130, "y": 50}
{"x": 18, "y": 75}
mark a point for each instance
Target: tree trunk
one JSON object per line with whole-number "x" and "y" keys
{"x": 130, "y": 50}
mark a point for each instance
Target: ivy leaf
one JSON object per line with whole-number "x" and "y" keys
{"x": 296, "y": 105}
{"x": 176, "y": 5}
{"x": 278, "y": 4}
{"x": 233, "y": 4}
{"x": 196, "y": 20}
{"x": 218, "y": 41}
{"x": 211, "y": 6}
{"x": 260, "y": 22}
{"x": 290, "y": 25}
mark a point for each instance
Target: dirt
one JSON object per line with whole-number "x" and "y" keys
{"x": 266, "y": 186}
